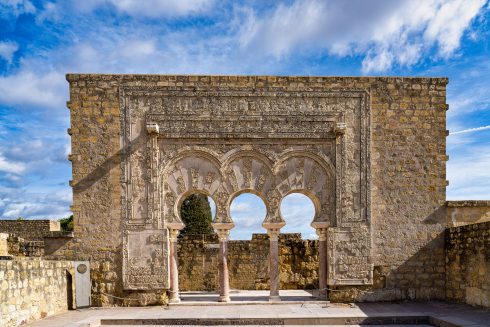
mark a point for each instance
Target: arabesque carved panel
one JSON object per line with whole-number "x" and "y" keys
{"x": 223, "y": 143}
{"x": 145, "y": 259}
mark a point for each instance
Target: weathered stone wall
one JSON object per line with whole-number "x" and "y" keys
{"x": 468, "y": 264}
{"x": 407, "y": 192}
{"x": 461, "y": 213}
{"x": 19, "y": 247}
{"x": 32, "y": 289}
{"x": 248, "y": 263}
{"x": 4, "y": 249}
{"x": 29, "y": 230}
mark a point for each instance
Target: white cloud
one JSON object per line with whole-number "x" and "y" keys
{"x": 238, "y": 207}
{"x": 7, "y": 50}
{"x": 450, "y": 20}
{"x": 138, "y": 48}
{"x": 469, "y": 175}
{"x": 471, "y": 130}
{"x": 11, "y": 166}
{"x": 157, "y": 8}
{"x": 34, "y": 89}
{"x": 50, "y": 11}
{"x": 468, "y": 93}
{"x": 150, "y": 8}
{"x": 16, "y": 7}
{"x": 34, "y": 210}
{"x": 35, "y": 203}
{"x": 389, "y": 33}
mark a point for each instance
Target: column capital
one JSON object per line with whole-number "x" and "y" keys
{"x": 152, "y": 128}
{"x": 340, "y": 128}
{"x": 273, "y": 233}
{"x": 322, "y": 233}
{"x": 218, "y": 225}
{"x": 223, "y": 234}
{"x": 173, "y": 234}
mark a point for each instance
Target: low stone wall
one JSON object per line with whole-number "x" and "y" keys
{"x": 4, "y": 249}
{"x": 29, "y": 230}
{"x": 468, "y": 264}
{"x": 248, "y": 263}
{"x": 18, "y": 247}
{"x": 460, "y": 213}
{"x": 32, "y": 289}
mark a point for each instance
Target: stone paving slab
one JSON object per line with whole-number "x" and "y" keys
{"x": 248, "y": 297}
{"x": 444, "y": 314}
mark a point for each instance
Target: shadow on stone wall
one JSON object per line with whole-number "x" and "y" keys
{"x": 113, "y": 161}
{"x": 468, "y": 264}
{"x": 420, "y": 277}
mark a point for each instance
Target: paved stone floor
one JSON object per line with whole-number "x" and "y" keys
{"x": 291, "y": 311}
{"x": 242, "y": 297}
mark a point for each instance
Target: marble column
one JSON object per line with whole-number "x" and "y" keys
{"x": 224, "y": 282}
{"x": 274, "y": 264}
{"x": 322, "y": 263}
{"x": 174, "y": 268}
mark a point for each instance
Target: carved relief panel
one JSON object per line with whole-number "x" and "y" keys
{"x": 221, "y": 143}
{"x": 145, "y": 259}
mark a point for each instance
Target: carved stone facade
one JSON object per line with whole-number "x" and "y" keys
{"x": 142, "y": 143}
{"x": 223, "y": 143}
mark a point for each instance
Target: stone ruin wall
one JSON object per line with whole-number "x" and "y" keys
{"x": 408, "y": 178}
{"x": 460, "y": 213}
{"x": 248, "y": 263}
{"x": 468, "y": 264}
{"x": 30, "y": 230}
{"x": 32, "y": 289}
{"x": 4, "y": 244}
{"x": 30, "y": 238}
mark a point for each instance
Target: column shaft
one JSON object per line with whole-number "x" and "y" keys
{"x": 322, "y": 273}
{"x": 322, "y": 263}
{"x": 224, "y": 283}
{"x": 174, "y": 269}
{"x": 274, "y": 265}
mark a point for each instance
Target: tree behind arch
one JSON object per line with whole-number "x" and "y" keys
{"x": 196, "y": 215}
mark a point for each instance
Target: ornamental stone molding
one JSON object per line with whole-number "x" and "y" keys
{"x": 224, "y": 143}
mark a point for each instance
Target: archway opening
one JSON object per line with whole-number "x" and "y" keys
{"x": 197, "y": 211}
{"x": 248, "y": 212}
{"x": 298, "y": 211}
{"x": 197, "y": 260}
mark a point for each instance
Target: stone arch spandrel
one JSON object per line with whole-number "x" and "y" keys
{"x": 223, "y": 200}
{"x": 190, "y": 172}
{"x": 309, "y": 174}
{"x": 247, "y": 170}
{"x": 193, "y": 172}
{"x": 190, "y": 151}
{"x": 272, "y": 201}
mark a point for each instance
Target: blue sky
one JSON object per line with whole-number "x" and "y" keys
{"x": 41, "y": 41}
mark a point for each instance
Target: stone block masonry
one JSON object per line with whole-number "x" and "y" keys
{"x": 248, "y": 263}
{"x": 4, "y": 249}
{"x": 29, "y": 230}
{"x": 31, "y": 289}
{"x": 460, "y": 213}
{"x": 392, "y": 240}
{"x": 468, "y": 264}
